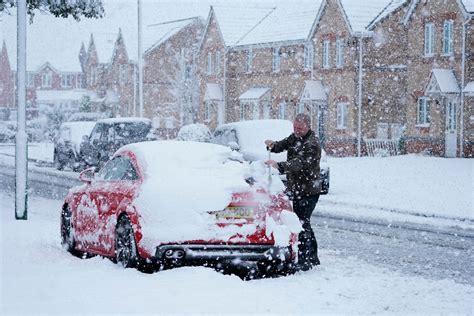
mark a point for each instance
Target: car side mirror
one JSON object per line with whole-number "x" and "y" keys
{"x": 234, "y": 146}
{"x": 87, "y": 175}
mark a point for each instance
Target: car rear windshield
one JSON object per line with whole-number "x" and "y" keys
{"x": 134, "y": 130}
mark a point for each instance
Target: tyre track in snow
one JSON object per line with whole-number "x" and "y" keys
{"x": 417, "y": 249}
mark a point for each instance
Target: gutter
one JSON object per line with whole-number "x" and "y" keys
{"x": 361, "y": 36}
{"x": 463, "y": 84}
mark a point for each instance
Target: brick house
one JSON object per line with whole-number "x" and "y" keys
{"x": 439, "y": 42}
{"x": 170, "y": 83}
{"x": 47, "y": 88}
{"x": 110, "y": 77}
{"x": 7, "y": 94}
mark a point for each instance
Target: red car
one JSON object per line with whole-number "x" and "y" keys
{"x": 168, "y": 203}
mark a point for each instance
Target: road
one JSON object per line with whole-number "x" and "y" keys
{"x": 434, "y": 252}
{"x": 415, "y": 249}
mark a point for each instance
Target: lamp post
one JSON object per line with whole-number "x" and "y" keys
{"x": 21, "y": 140}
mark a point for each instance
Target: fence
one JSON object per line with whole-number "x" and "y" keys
{"x": 382, "y": 147}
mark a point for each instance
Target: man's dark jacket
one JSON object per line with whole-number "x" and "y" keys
{"x": 302, "y": 165}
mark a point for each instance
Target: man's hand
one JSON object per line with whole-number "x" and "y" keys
{"x": 269, "y": 144}
{"x": 272, "y": 163}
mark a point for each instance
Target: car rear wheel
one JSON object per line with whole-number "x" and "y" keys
{"x": 125, "y": 246}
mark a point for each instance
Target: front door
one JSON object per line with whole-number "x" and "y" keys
{"x": 450, "y": 133}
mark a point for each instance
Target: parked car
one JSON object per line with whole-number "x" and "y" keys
{"x": 248, "y": 137}
{"x": 7, "y": 131}
{"x": 155, "y": 204}
{"x": 67, "y": 144}
{"x": 110, "y": 134}
{"x": 195, "y": 132}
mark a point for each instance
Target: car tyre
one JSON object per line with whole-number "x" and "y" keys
{"x": 67, "y": 233}
{"x": 126, "y": 254}
{"x": 57, "y": 164}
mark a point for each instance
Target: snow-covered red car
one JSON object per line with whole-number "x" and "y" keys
{"x": 172, "y": 203}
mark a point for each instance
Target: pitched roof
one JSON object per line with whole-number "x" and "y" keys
{"x": 288, "y": 22}
{"x": 156, "y": 34}
{"x": 389, "y": 9}
{"x": 468, "y": 5}
{"x": 237, "y": 21}
{"x": 359, "y": 16}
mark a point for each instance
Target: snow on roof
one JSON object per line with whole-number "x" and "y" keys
{"x": 389, "y": 9}
{"x": 468, "y": 5}
{"x": 469, "y": 89}
{"x": 213, "y": 92}
{"x": 253, "y": 93}
{"x": 236, "y": 21}
{"x": 156, "y": 34}
{"x": 56, "y": 95}
{"x": 313, "y": 90}
{"x": 359, "y": 15}
{"x": 446, "y": 80}
{"x": 287, "y": 22}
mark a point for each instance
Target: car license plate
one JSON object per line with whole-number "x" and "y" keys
{"x": 235, "y": 212}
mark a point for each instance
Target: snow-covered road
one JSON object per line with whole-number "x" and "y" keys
{"x": 39, "y": 277}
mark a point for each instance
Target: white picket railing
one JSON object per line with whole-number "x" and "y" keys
{"x": 382, "y": 147}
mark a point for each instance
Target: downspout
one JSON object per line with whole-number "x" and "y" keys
{"x": 359, "y": 116}
{"x": 461, "y": 112}
{"x": 224, "y": 86}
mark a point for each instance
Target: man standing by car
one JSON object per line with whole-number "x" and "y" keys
{"x": 303, "y": 185}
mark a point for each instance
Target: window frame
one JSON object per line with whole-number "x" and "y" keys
{"x": 429, "y": 40}
{"x": 308, "y": 56}
{"x": 341, "y": 115}
{"x": 423, "y": 118}
{"x": 209, "y": 63}
{"x": 448, "y": 40}
{"x": 46, "y": 79}
{"x": 326, "y": 54}
{"x": 276, "y": 59}
{"x": 282, "y": 110}
{"x": 339, "y": 53}
{"x": 249, "y": 61}
{"x": 218, "y": 62}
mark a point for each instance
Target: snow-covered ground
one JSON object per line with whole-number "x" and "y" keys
{"x": 39, "y": 277}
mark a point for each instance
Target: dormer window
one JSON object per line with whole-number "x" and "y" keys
{"x": 326, "y": 52}
{"x": 209, "y": 63}
{"x": 249, "y": 61}
{"x": 339, "y": 53}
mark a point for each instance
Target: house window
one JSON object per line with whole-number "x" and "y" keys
{"x": 209, "y": 63}
{"x": 207, "y": 110}
{"x": 66, "y": 80}
{"x": 30, "y": 80}
{"x": 448, "y": 37}
{"x": 282, "y": 110}
{"x": 300, "y": 108}
{"x": 341, "y": 116}
{"x": 326, "y": 46}
{"x": 429, "y": 39}
{"x": 276, "y": 59}
{"x": 423, "y": 117}
{"x": 218, "y": 62}
{"x": 244, "y": 109}
{"x": 249, "y": 61}
{"x": 46, "y": 80}
{"x": 308, "y": 56}
{"x": 123, "y": 74}
{"x": 339, "y": 53}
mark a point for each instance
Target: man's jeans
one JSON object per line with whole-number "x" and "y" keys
{"x": 308, "y": 246}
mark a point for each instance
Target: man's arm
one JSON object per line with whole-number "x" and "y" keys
{"x": 279, "y": 146}
{"x": 305, "y": 160}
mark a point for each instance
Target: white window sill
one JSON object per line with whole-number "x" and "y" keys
{"x": 423, "y": 125}
{"x": 341, "y": 128}
{"x": 428, "y": 55}
{"x": 447, "y": 55}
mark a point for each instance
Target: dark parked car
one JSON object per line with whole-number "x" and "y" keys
{"x": 110, "y": 134}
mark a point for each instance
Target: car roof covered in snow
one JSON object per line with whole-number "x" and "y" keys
{"x": 116, "y": 120}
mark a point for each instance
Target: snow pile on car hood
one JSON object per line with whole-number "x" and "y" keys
{"x": 186, "y": 180}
